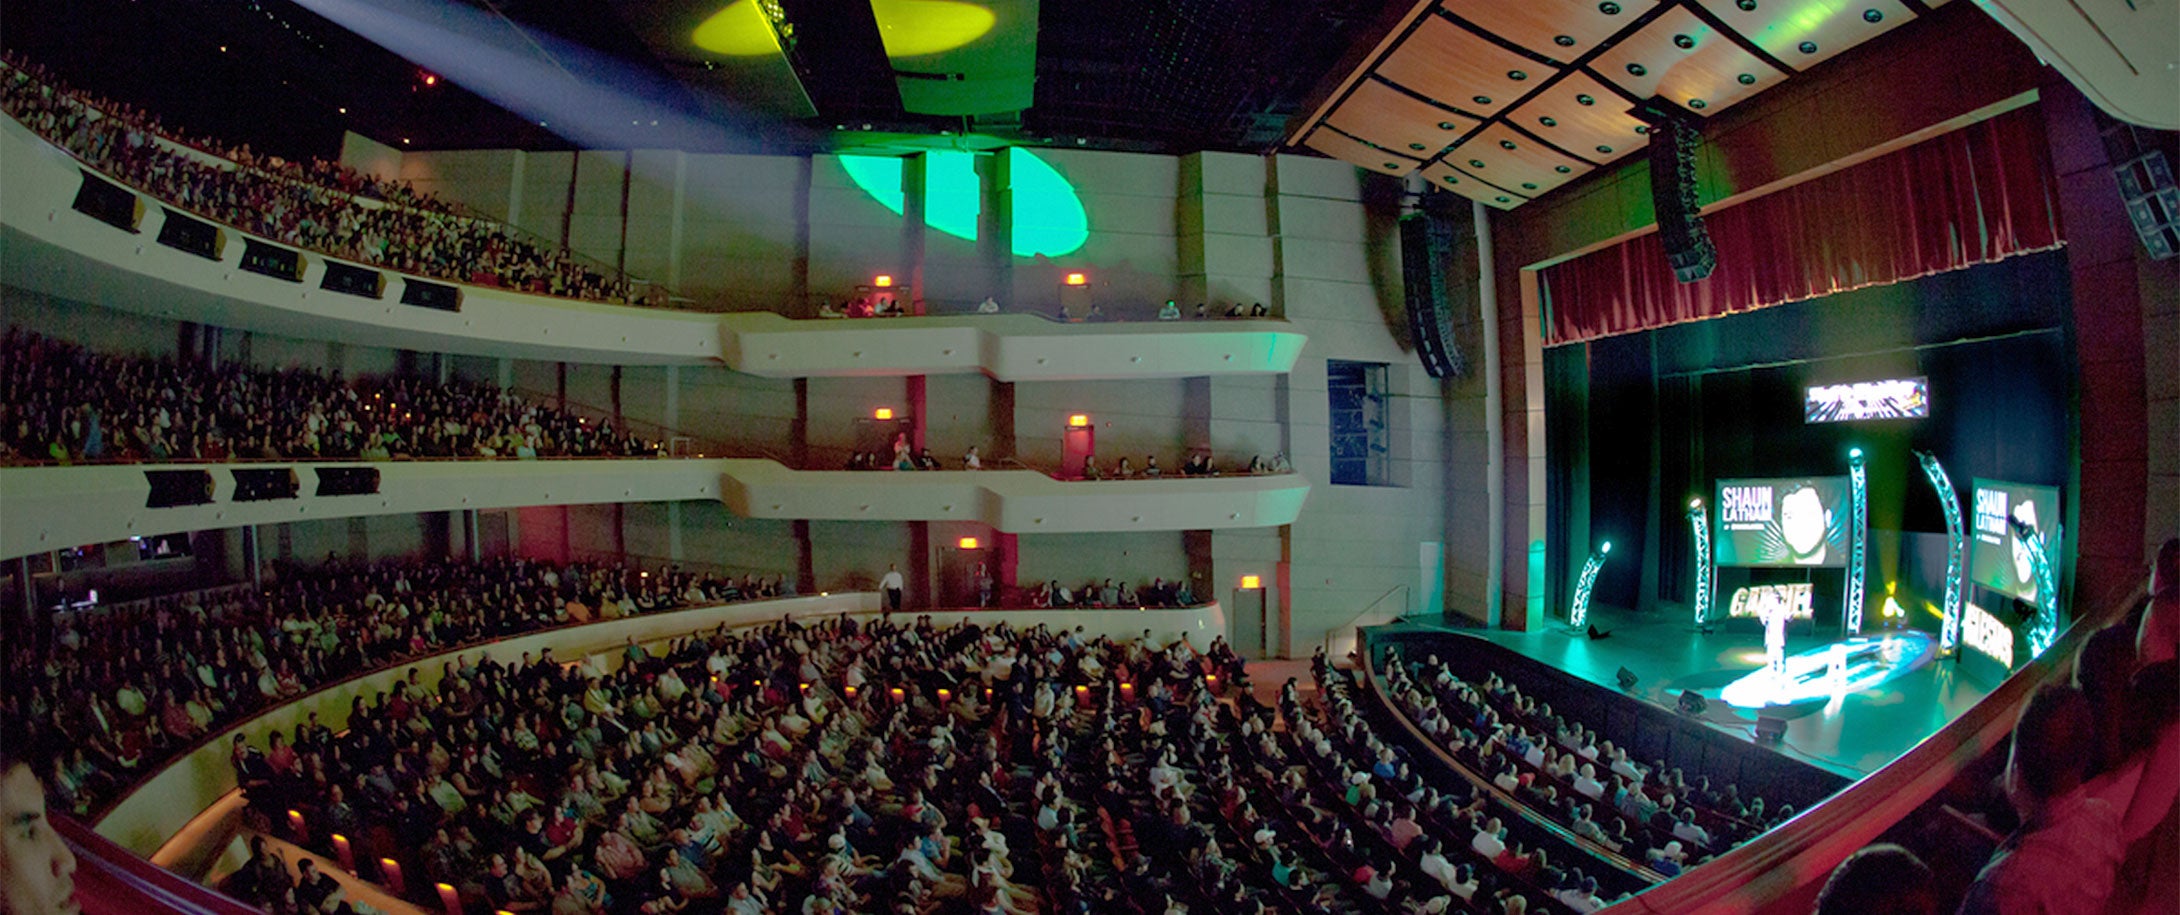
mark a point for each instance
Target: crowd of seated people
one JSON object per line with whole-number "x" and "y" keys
{"x": 321, "y": 206}
{"x": 117, "y": 693}
{"x": 1197, "y": 464}
{"x": 1107, "y": 594}
{"x": 1652, "y": 814}
{"x": 834, "y": 767}
{"x": 64, "y": 403}
{"x": 1421, "y": 848}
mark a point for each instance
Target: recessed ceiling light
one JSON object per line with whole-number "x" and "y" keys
{"x": 1502, "y": 200}
{"x": 1418, "y": 147}
{"x": 1562, "y": 169}
{"x": 1564, "y": 41}
{"x": 1476, "y": 163}
{"x": 1809, "y": 47}
{"x": 1683, "y": 42}
{"x": 1698, "y": 104}
{"x": 1548, "y": 122}
{"x": 1747, "y": 6}
{"x": 1516, "y": 75}
{"x": 1452, "y": 180}
{"x": 1528, "y": 186}
{"x": 1506, "y": 144}
{"x": 1446, "y": 125}
{"x": 1747, "y": 79}
{"x": 1392, "y": 166}
{"x": 1585, "y": 100}
{"x": 1481, "y": 99}
{"x": 1873, "y": 16}
{"x": 1604, "y": 149}
{"x": 1642, "y": 128}
{"x": 1609, "y": 8}
{"x": 1637, "y": 70}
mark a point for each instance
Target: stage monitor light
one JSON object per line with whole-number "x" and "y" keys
{"x": 1251, "y": 582}
{"x": 968, "y": 543}
{"x": 882, "y": 413}
{"x": 882, "y": 281}
{"x": 1693, "y": 703}
{"x": 1077, "y": 279}
{"x": 1078, "y": 421}
{"x": 1770, "y": 729}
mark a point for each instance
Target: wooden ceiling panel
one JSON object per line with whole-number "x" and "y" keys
{"x": 1559, "y": 29}
{"x": 1580, "y": 114}
{"x": 1353, "y": 151}
{"x": 1455, "y": 67}
{"x": 1382, "y": 114}
{"x": 1460, "y": 182}
{"x": 1781, "y": 27}
{"x": 1502, "y": 156}
{"x": 1684, "y": 60}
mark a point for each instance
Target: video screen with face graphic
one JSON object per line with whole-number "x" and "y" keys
{"x": 1996, "y": 558}
{"x": 1782, "y": 523}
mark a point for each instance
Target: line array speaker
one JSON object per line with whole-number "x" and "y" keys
{"x": 1426, "y": 253}
{"x": 1675, "y": 134}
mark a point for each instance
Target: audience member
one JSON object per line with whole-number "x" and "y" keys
{"x": 2063, "y": 857}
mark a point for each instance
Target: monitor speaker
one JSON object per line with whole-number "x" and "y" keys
{"x": 1426, "y": 254}
{"x": 109, "y": 203}
{"x": 1692, "y": 702}
{"x": 1770, "y": 729}
{"x": 1627, "y": 679}
{"x": 1675, "y": 135}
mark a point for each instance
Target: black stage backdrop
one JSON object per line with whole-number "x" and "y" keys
{"x": 1637, "y": 425}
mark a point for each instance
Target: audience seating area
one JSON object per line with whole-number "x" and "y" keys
{"x": 317, "y": 205}
{"x": 63, "y": 404}
{"x": 121, "y": 693}
{"x": 1564, "y": 771}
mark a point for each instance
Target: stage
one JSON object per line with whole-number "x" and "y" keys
{"x": 1893, "y": 698}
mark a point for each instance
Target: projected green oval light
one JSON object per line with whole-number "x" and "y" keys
{"x": 912, "y": 28}
{"x": 1048, "y": 214}
{"x": 739, "y": 29}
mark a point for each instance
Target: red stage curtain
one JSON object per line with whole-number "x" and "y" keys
{"x": 1973, "y": 196}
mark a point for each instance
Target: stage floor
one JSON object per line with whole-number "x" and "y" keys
{"x": 1852, "y": 735}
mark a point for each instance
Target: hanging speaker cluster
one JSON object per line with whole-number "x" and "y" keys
{"x": 1675, "y": 133}
{"x": 1426, "y": 254}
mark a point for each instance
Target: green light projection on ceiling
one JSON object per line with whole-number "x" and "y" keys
{"x": 912, "y": 28}
{"x": 739, "y": 29}
{"x": 1049, "y": 219}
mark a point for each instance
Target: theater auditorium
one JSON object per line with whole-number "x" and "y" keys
{"x": 1170, "y": 457}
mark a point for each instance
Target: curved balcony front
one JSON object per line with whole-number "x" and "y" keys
{"x": 53, "y": 507}
{"x": 1009, "y": 347}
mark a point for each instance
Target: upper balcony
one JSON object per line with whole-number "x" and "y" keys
{"x": 52, "y": 507}
{"x": 158, "y": 257}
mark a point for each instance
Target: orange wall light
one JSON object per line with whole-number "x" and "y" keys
{"x": 1251, "y": 582}
{"x": 882, "y": 280}
{"x": 1078, "y": 279}
{"x": 882, "y": 413}
{"x": 968, "y": 543}
{"x": 1079, "y": 420}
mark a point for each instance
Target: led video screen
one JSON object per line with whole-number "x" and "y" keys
{"x": 1890, "y": 398}
{"x": 1996, "y": 557}
{"x": 1786, "y": 522}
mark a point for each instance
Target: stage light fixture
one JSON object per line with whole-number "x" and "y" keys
{"x": 1858, "y": 499}
{"x": 1699, "y": 523}
{"x": 1578, "y": 617}
{"x": 1955, "y": 538}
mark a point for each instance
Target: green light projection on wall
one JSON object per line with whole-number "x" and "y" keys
{"x": 1048, "y": 214}
{"x": 739, "y": 29}
{"x": 953, "y": 197}
{"x": 1049, "y": 218}
{"x": 912, "y": 28}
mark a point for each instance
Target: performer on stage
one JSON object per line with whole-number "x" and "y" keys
{"x": 1775, "y": 613}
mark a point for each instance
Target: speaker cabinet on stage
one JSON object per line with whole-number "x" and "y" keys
{"x": 1770, "y": 729}
{"x": 1426, "y": 253}
{"x": 1692, "y": 702}
{"x": 1675, "y": 134}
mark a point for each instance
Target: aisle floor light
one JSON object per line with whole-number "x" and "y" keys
{"x": 1580, "y": 616}
{"x": 1858, "y": 499}
{"x": 1949, "y": 628}
{"x": 1699, "y": 520}
{"x": 2044, "y": 627}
